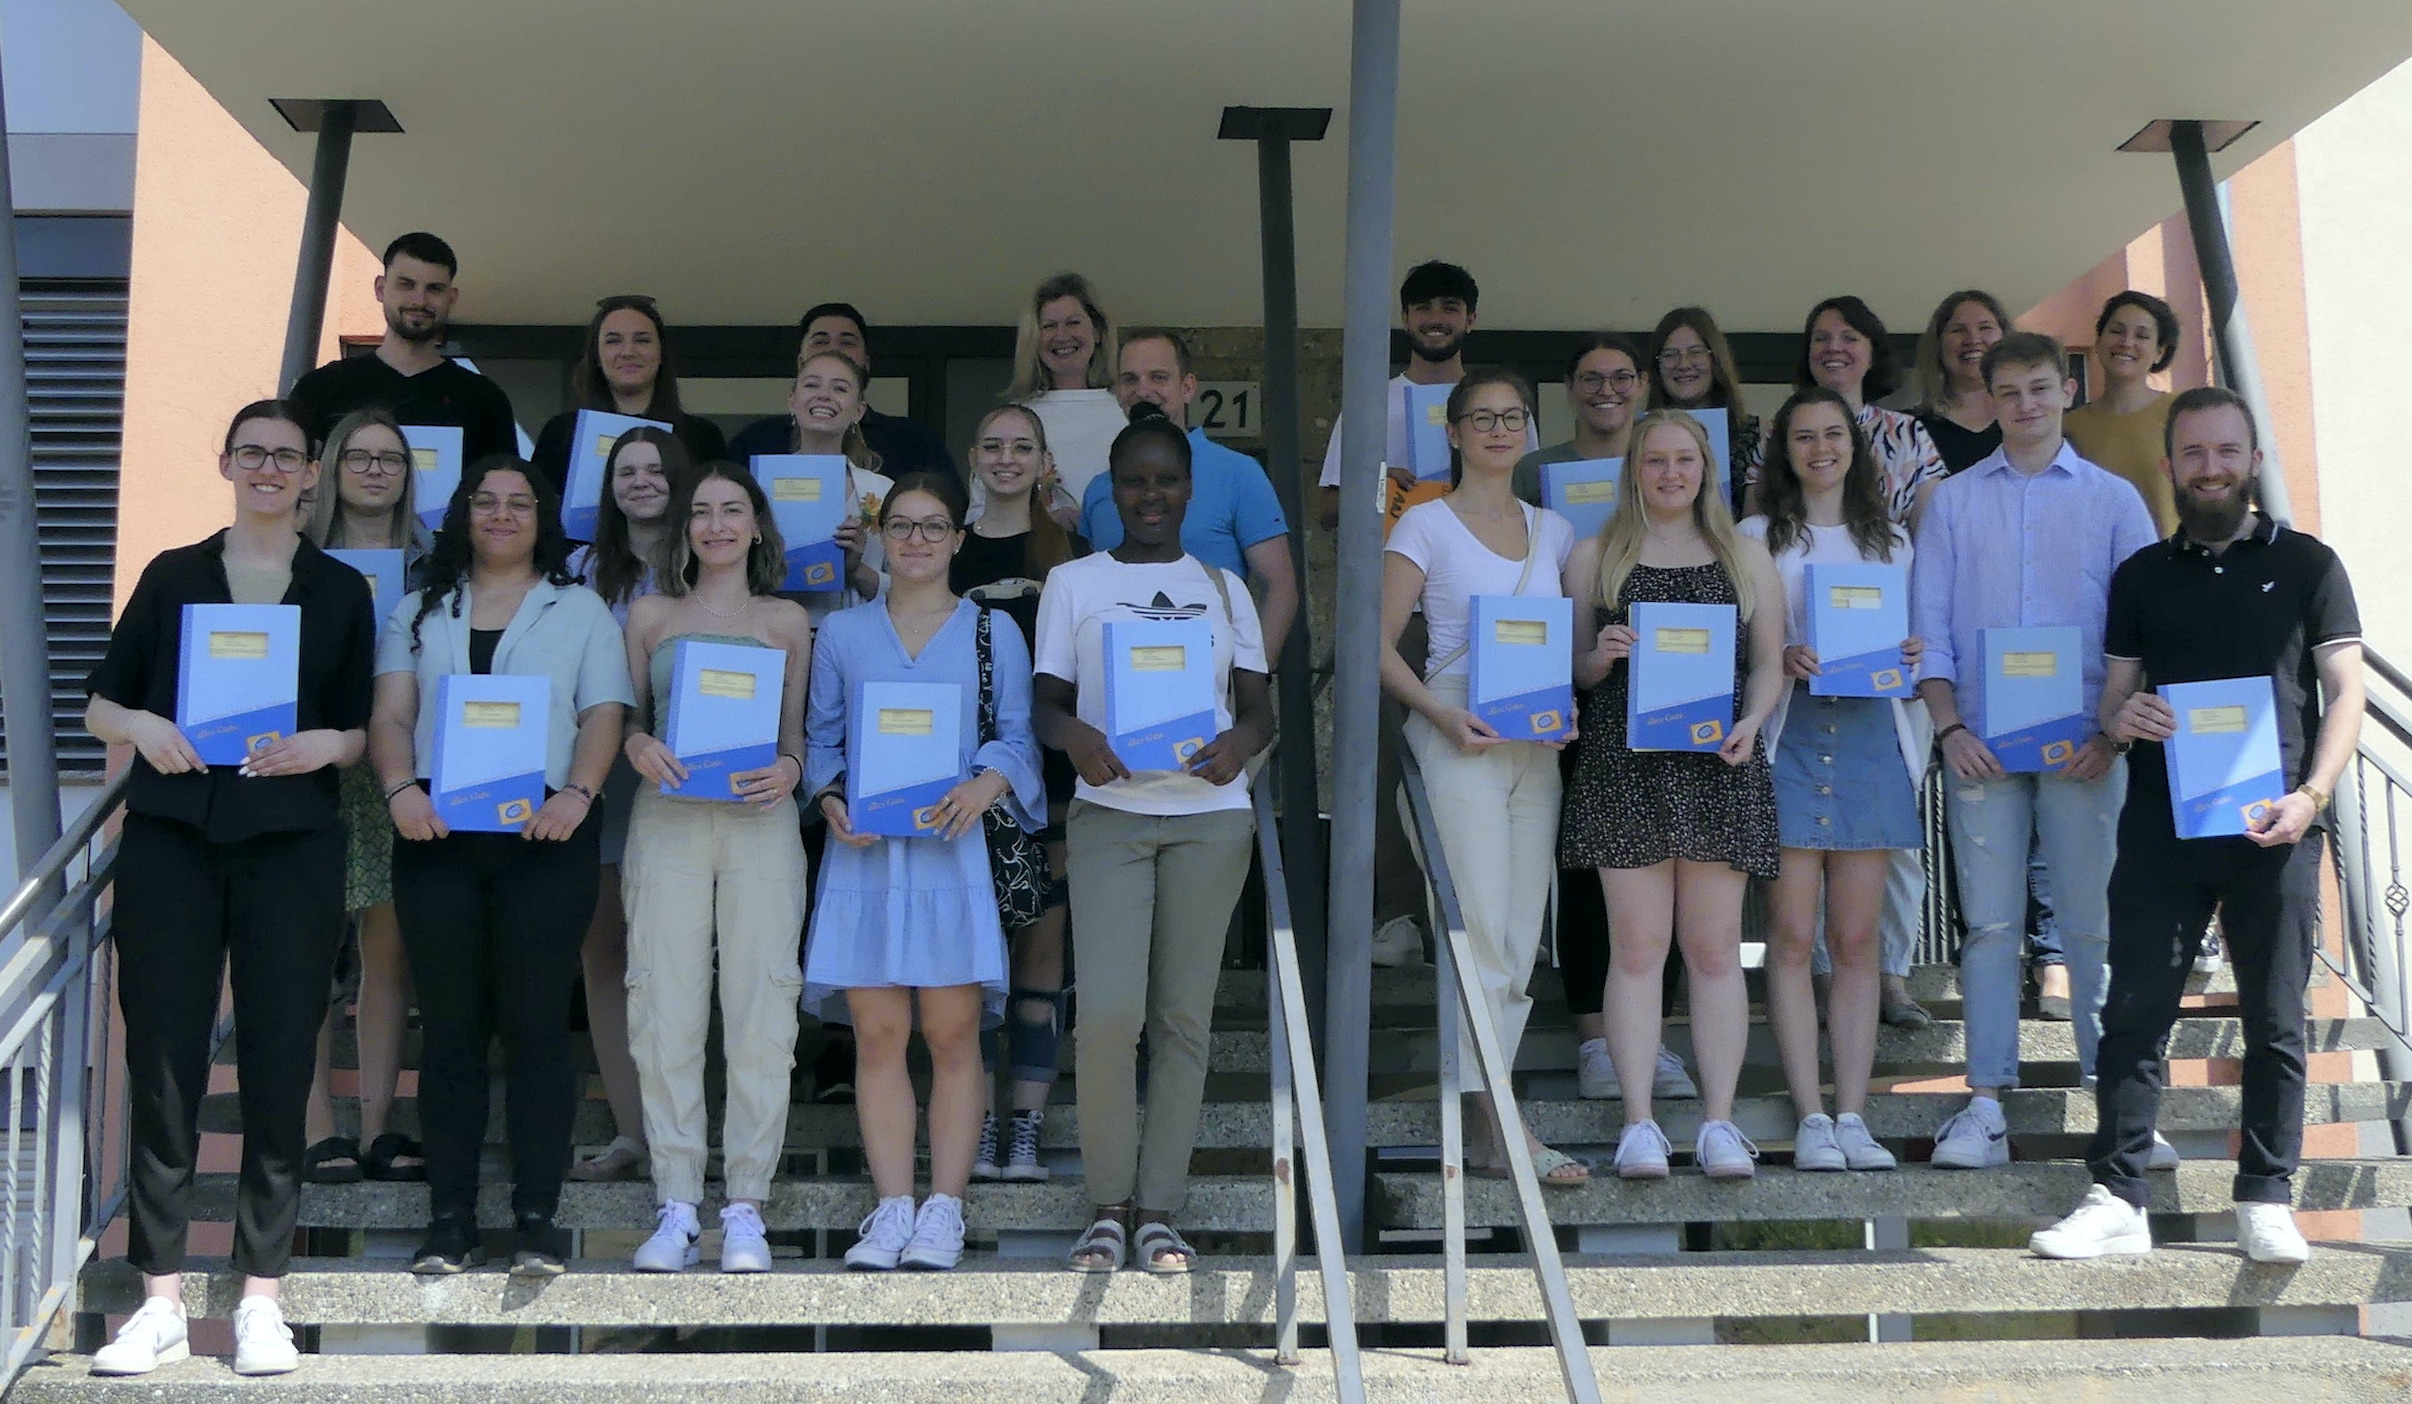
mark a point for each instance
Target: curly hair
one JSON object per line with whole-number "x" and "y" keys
{"x": 445, "y": 572}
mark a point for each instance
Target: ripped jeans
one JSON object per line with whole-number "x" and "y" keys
{"x": 2075, "y": 824}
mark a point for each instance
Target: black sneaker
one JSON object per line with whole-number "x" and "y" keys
{"x": 540, "y": 1250}
{"x": 451, "y": 1246}
{"x": 833, "y": 1070}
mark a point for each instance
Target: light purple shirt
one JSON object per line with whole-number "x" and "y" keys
{"x": 1998, "y": 548}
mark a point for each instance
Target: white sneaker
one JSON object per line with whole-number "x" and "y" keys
{"x": 744, "y": 1247}
{"x": 263, "y": 1342}
{"x": 2102, "y": 1223}
{"x": 1975, "y": 1138}
{"x": 1399, "y": 943}
{"x": 2206, "y": 961}
{"x": 1022, "y": 1165}
{"x": 1641, "y": 1153}
{"x": 2164, "y": 1155}
{"x": 884, "y": 1235}
{"x": 985, "y": 1165}
{"x": 1724, "y": 1152}
{"x": 2267, "y": 1233}
{"x": 1595, "y": 1072}
{"x": 151, "y": 1337}
{"x": 1670, "y": 1080}
{"x": 937, "y": 1242}
{"x": 1814, "y": 1146}
{"x": 1859, "y": 1147}
{"x": 672, "y": 1247}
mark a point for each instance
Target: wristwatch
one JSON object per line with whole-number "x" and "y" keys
{"x": 2314, "y": 793}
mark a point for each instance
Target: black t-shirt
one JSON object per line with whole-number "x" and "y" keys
{"x": 701, "y": 437}
{"x": 1962, "y": 449}
{"x": 447, "y": 393}
{"x": 903, "y": 445}
{"x": 2260, "y": 608}
{"x": 991, "y": 571}
{"x": 338, "y": 650}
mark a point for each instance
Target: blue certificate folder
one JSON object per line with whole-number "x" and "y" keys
{"x": 435, "y": 469}
{"x": 2224, "y": 765}
{"x": 722, "y": 715}
{"x": 1680, "y": 689}
{"x": 1428, "y": 430}
{"x": 1159, "y": 691}
{"x": 1583, "y": 492}
{"x": 904, "y": 751}
{"x": 238, "y": 678}
{"x": 491, "y": 734}
{"x": 383, "y": 567}
{"x": 591, "y": 438}
{"x": 1858, "y": 616}
{"x": 1522, "y": 665}
{"x": 2034, "y": 697}
{"x": 809, "y": 499}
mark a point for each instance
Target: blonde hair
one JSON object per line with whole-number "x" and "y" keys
{"x": 1621, "y": 539}
{"x": 325, "y": 527}
{"x": 1029, "y": 369}
{"x": 854, "y": 445}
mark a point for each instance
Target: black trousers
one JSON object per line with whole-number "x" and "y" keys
{"x": 2162, "y": 892}
{"x": 493, "y": 923}
{"x": 187, "y": 911}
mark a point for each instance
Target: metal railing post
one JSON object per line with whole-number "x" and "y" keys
{"x": 2231, "y": 328}
{"x": 322, "y": 219}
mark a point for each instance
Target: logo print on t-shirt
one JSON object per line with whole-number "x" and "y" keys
{"x": 1162, "y": 607}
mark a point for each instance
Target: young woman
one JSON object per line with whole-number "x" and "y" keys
{"x": 1845, "y": 348}
{"x": 1847, "y": 771}
{"x": 1063, "y": 368}
{"x": 2135, "y": 338}
{"x": 1674, "y": 834}
{"x": 1157, "y": 857}
{"x": 827, "y": 404}
{"x": 1003, "y": 564}
{"x": 230, "y": 866}
{"x": 1954, "y": 406}
{"x": 1604, "y": 389}
{"x": 368, "y": 506}
{"x": 631, "y": 530}
{"x": 1691, "y": 368}
{"x": 493, "y": 922}
{"x": 626, "y": 369}
{"x": 714, "y": 885}
{"x": 1494, "y": 800}
{"x": 906, "y": 930}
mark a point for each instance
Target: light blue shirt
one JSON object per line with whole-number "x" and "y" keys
{"x": 1998, "y": 548}
{"x": 1231, "y": 507}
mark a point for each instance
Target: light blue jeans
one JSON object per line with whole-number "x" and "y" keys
{"x": 2075, "y": 823}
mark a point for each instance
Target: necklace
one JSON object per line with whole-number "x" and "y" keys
{"x": 716, "y": 614}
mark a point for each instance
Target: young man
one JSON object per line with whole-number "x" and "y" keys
{"x": 1234, "y": 520}
{"x": 904, "y": 445}
{"x": 408, "y": 374}
{"x": 2027, "y": 537}
{"x": 2232, "y": 595}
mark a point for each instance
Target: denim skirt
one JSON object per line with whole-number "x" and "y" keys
{"x": 1839, "y": 780}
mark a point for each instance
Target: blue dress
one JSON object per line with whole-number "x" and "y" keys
{"x": 918, "y": 913}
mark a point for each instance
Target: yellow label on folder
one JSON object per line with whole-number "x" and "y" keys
{"x": 1592, "y": 492}
{"x": 225, "y": 643}
{"x": 1159, "y": 658}
{"x": 423, "y": 459}
{"x": 1520, "y": 631}
{"x": 725, "y": 682}
{"x": 2030, "y": 665}
{"x": 490, "y": 716}
{"x": 2211, "y": 721}
{"x": 1855, "y": 597}
{"x": 796, "y": 490}
{"x": 907, "y": 721}
{"x": 1436, "y": 415}
{"x": 1682, "y": 641}
{"x": 603, "y": 443}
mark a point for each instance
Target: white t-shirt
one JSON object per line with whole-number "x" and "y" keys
{"x": 1081, "y": 596}
{"x": 1081, "y": 425}
{"x": 1394, "y": 448}
{"x": 1457, "y": 567}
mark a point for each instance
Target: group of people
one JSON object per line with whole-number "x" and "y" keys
{"x": 1086, "y": 500}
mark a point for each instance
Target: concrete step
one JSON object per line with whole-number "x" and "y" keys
{"x": 2019, "y": 1191}
{"x": 2301, "y": 1370}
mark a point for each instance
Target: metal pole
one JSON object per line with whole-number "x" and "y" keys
{"x": 1373, "y": 102}
{"x": 2231, "y": 329}
{"x": 320, "y": 220}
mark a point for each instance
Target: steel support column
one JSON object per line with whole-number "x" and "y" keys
{"x": 321, "y": 219}
{"x": 2231, "y": 329}
{"x": 33, "y": 765}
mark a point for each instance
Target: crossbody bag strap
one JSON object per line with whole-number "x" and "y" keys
{"x": 988, "y": 691}
{"x": 1532, "y": 548}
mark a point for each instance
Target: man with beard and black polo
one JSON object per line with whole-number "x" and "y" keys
{"x": 408, "y": 375}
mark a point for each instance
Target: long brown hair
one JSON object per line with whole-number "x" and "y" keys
{"x": 765, "y": 560}
{"x": 1046, "y": 545}
{"x": 1621, "y": 539}
{"x": 326, "y": 524}
{"x": 592, "y": 390}
{"x": 1781, "y": 496}
{"x": 614, "y": 568}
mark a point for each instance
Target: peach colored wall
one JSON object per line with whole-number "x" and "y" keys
{"x": 217, "y": 229}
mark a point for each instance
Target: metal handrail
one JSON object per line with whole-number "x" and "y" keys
{"x": 1456, "y": 1001}
{"x": 1297, "y": 1095}
{"x": 2373, "y": 967}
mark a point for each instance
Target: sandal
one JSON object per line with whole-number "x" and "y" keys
{"x": 317, "y": 1171}
{"x": 1102, "y": 1248}
{"x": 1551, "y": 1166}
{"x": 1162, "y": 1249}
{"x": 378, "y": 1163}
{"x": 623, "y": 1159}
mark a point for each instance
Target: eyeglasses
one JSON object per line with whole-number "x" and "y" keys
{"x": 930, "y": 529}
{"x": 1019, "y": 448}
{"x": 1623, "y": 382}
{"x": 1484, "y": 421}
{"x": 1689, "y": 355}
{"x": 486, "y": 504}
{"x": 390, "y": 462}
{"x": 253, "y": 457}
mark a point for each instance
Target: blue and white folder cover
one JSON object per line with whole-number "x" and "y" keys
{"x": 722, "y": 716}
{"x": 2034, "y": 697}
{"x": 1428, "y": 430}
{"x": 1583, "y": 492}
{"x": 1522, "y": 665}
{"x": 491, "y": 734}
{"x": 591, "y": 438}
{"x": 2224, "y": 765}
{"x": 1159, "y": 687}
{"x": 435, "y": 469}
{"x": 1719, "y": 425}
{"x": 238, "y": 678}
{"x": 904, "y": 751}
{"x": 383, "y": 567}
{"x": 810, "y": 499}
{"x": 1680, "y": 689}
{"x": 1858, "y": 616}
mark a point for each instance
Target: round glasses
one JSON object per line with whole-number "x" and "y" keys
{"x": 1484, "y": 421}
{"x": 902, "y": 529}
